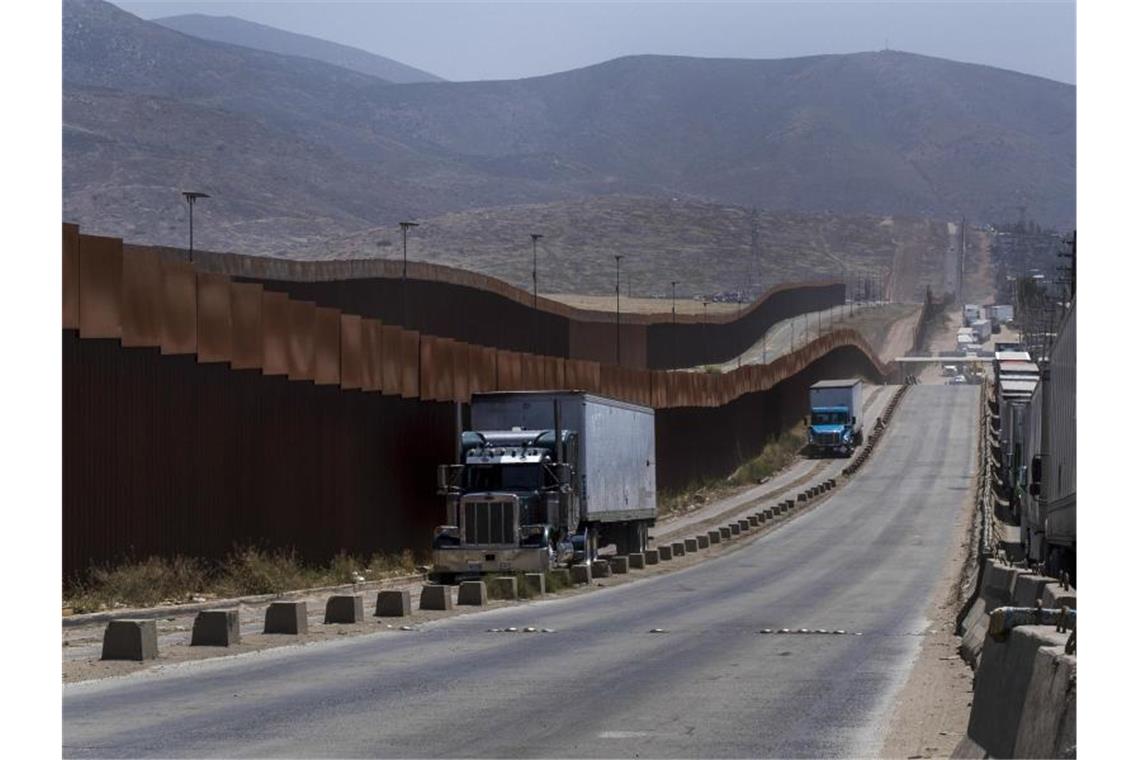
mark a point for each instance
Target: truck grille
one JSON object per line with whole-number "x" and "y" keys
{"x": 489, "y": 522}
{"x": 828, "y": 439}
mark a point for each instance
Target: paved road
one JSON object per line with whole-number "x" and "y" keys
{"x": 601, "y": 684}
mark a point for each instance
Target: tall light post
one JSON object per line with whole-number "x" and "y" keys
{"x": 617, "y": 291}
{"x": 191, "y": 197}
{"x": 534, "y": 238}
{"x": 404, "y": 227}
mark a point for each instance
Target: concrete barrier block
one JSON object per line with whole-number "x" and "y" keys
{"x": 714, "y": 536}
{"x": 287, "y": 617}
{"x": 974, "y": 628}
{"x": 998, "y": 585}
{"x": 393, "y": 603}
{"x": 703, "y": 541}
{"x": 1054, "y": 597}
{"x": 726, "y": 532}
{"x": 1028, "y": 588}
{"x": 1049, "y": 718}
{"x": 345, "y": 609}
{"x": 753, "y": 520}
{"x": 664, "y": 553}
{"x": 678, "y": 548}
{"x": 504, "y": 587}
{"x": 215, "y": 628}
{"x": 619, "y": 565}
{"x": 580, "y": 574}
{"x": 744, "y": 525}
{"x": 691, "y": 545}
{"x": 1001, "y": 686}
{"x": 652, "y": 556}
{"x": 435, "y": 596}
{"x": 637, "y": 561}
{"x": 561, "y": 575}
{"x": 734, "y": 528}
{"x": 130, "y": 640}
{"x": 601, "y": 568}
{"x": 472, "y": 593}
{"x": 535, "y": 583}
{"x": 801, "y": 496}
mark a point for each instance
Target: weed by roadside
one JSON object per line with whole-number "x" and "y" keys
{"x": 777, "y": 454}
{"x": 246, "y": 571}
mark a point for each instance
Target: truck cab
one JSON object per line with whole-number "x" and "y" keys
{"x": 511, "y": 504}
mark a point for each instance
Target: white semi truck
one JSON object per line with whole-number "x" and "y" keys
{"x": 545, "y": 479}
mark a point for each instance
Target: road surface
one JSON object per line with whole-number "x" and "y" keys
{"x": 601, "y": 684}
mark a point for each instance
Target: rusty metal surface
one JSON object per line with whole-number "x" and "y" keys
{"x": 274, "y": 333}
{"x": 163, "y": 455}
{"x": 301, "y": 340}
{"x": 179, "y": 308}
{"x": 245, "y": 313}
{"x": 70, "y": 275}
{"x": 390, "y": 379}
{"x": 215, "y": 318}
{"x": 142, "y": 300}
{"x": 351, "y": 352}
{"x": 100, "y": 286}
{"x": 461, "y": 372}
{"x": 326, "y": 347}
{"x": 410, "y": 373}
{"x": 371, "y": 372}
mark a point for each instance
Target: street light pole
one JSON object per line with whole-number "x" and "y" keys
{"x": 404, "y": 227}
{"x": 191, "y": 197}
{"x": 617, "y": 291}
{"x": 534, "y": 238}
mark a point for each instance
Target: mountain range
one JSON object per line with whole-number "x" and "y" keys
{"x": 295, "y": 150}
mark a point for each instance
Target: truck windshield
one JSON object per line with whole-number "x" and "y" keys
{"x": 504, "y": 477}
{"x": 829, "y": 418}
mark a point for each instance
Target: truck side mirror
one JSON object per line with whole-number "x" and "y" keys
{"x": 853, "y": 420}
{"x": 448, "y": 478}
{"x": 1034, "y": 489}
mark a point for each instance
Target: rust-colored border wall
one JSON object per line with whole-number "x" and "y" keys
{"x": 164, "y": 455}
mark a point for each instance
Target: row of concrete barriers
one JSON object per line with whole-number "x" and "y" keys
{"x": 877, "y": 433}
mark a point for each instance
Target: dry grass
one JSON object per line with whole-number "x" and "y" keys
{"x": 777, "y": 454}
{"x": 246, "y": 571}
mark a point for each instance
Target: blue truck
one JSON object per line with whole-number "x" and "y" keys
{"x": 836, "y": 426}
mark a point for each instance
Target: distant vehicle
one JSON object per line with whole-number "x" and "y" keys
{"x": 971, "y": 313}
{"x": 836, "y": 416}
{"x": 544, "y": 479}
{"x": 982, "y": 328}
{"x": 1002, "y": 314}
{"x": 957, "y": 380}
{"x": 949, "y": 370}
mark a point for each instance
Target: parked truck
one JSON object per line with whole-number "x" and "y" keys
{"x": 544, "y": 479}
{"x": 836, "y": 417}
{"x": 983, "y": 329}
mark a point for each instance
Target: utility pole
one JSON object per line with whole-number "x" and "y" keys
{"x": 674, "y": 284}
{"x": 191, "y": 197}
{"x": 404, "y": 227}
{"x": 534, "y": 238}
{"x": 617, "y": 291}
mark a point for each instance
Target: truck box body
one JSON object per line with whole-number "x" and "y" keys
{"x": 971, "y": 313}
{"x": 617, "y": 448}
{"x": 1002, "y": 314}
{"x": 983, "y": 329}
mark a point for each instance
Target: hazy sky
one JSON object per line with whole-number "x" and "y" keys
{"x": 506, "y": 40}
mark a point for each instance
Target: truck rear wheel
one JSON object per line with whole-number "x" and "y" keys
{"x": 632, "y": 538}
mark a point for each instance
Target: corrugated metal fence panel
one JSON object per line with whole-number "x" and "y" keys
{"x": 100, "y": 286}
{"x": 371, "y": 370}
{"x": 351, "y": 352}
{"x": 248, "y": 340}
{"x": 390, "y": 380}
{"x": 461, "y": 377}
{"x": 410, "y": 374}
{"x": 445, "y": 366}
{"x": 302, "y": 339}
{"x": 274, "y": 333}
{"x": 142, "y": 299}
{"x": 70, "y": 273}
{"x": 326, "y": 353}
{"x": 179, "y": 308}
{"x": 215, "y": 319}
{"x": 429, "y": 370}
